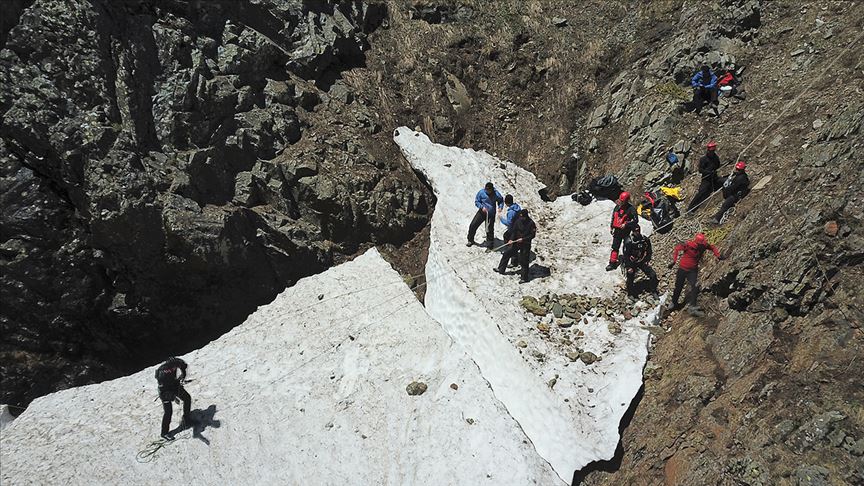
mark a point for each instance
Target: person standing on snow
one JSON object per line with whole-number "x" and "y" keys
{"x": 637, "y": 256}
{"x": 735, "y": 187}
{"x": 171, "y": 387}
{"x": 704, "y": 84}
{"x": 623, "y": 214}
{"x": 708, "y": 166}
{"x": 689, "y": 269}
{"x": 507, "y": 220}
{"x": 522, "y": 232}
{"x": 486, "y": 200}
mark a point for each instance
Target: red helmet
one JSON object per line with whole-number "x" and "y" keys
{"x": 740, "y": 165}
{"x": 699, "y": 238}
{"x": 624, "y": 197}
{"x": 712, "y": 145}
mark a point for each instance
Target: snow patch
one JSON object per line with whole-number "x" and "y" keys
{"x": 576, "y": 421}
{"x": 306, "y": 391}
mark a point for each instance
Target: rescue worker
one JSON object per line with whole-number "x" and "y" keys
{"x": 507, "y": 220}
{"x": 522, "y": 232}
{"x": 704, "y": 84}
{"x": 623, "y": 214}
{"x": 688, "y": 269}
{"x": 708, "y": 165}
{"x": 486, "y": 200}
{"x": 171, "y": 387}
{"x": 735, "y": 187}
{"x": 637, "y": 256}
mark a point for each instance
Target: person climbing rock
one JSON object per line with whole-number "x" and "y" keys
{"x": 637, "y": 256}
{"x": 507, "y": 220}
{"x": 735, "y": 187}
{"x": 486, "y": 200}
{"x": 170, "y": 388}
{"x": 704, "y": 84}
{"x": 688, "y": 269}
{"x": 522, "y": 233}
{"x": 623, "y": 214}
{"x": 710, "y": 182}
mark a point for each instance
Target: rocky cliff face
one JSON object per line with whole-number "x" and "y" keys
{"x": 170, "y": 165}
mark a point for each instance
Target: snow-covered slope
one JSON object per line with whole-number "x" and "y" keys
{"x": 575, "y": 421}
{"x": 309, "y": 390}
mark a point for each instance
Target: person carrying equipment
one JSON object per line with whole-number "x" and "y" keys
{"x": 486, "y": 200}
{"x": 507, "y": 220}
{"x": 522, "y": 231}
{"x": 735, "y": 187}
{"x": 170, "y": 388}
{"x": 708, "y": 166}
{"x": 704, "y": 84}
{"x": 623, "y": 214}
{"x": 637, "y": 256}
{"x": 689, "y": 269}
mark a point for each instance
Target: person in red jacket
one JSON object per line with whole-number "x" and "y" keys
{"x": 622, "y": 216}
{"x": 691, "y": 253}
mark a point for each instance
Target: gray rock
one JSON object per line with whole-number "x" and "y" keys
{"x": 557, "y": 310}
{"x": 809, "y": 475}
{"x": 588, "y": 357}
{"x": 416, "y": 388}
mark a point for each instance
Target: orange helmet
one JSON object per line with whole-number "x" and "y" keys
{"x": 699, "y": 238}
{"x": 712, "y": 145}
{"x": 740, "y": 165}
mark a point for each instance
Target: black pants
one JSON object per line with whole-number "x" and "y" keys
{"x": 167, "y": 397}
{"x": 480, "y": 218}
{"x": 701, "y": 96}
{"x": 647, "y": 270}
{"x": 522, "y": 250}
{"x": 691, "y": 277}
{"x": 507, "y": 235}
{"x": 618, "y": 235}
{"x": 728, "y": 203}
{"x": 708, "y": 185}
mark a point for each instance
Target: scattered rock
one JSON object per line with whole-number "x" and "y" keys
{"x": 416, "y": 388}
{"x": 543, "y": 327}
{"x": 557, "y": 310}
{"x": 572, "y": 355}
{"x": 615, "y": 328}
{"x": 588, "y": 357}
{"x": 533, "y": 306}
{"x": 565, "y": 322}
{"x": 521, "y": 344}
{"x": 559, "y": 21}
{"x": 797, "y": 52}
{"x": 831, "y": 228}
{"x": 817, "y": 124}
{"x": 454, "y": 386}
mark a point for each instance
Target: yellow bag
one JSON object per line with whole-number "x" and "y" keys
{"x": 673, "y": 193}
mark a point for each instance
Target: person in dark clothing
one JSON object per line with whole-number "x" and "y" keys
{"x": 522, "y": 232}
{"x": 637, "y": 256}
{"x": 623, "y": 214}
{"x": 170, "y": 388}
{"x": 689, "y": 269}
{"x": 486, "y": 200}
{"x": 704, "y": 84}
{"x": 708, "y": 166}
{"x": 736, "y": 186}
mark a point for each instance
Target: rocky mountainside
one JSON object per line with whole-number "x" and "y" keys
{"x": 169, "y": 165}
{"x": 164, "y": 155}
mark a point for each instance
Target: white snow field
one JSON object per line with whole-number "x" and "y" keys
{"x": 310, "y": 390}
{"x": 575, "y": 421}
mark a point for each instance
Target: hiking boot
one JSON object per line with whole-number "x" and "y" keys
{"x": 695, "y": 311}
{"x": 167, "y": 436}
{"x": 470, "y": 243}
{"x": 612, "y": 266}
{"x": 497, "y": 270}
{"x": 522, "y": 280}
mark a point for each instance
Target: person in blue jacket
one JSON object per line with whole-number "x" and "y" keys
{"x": 486, "y": 201}
{"x": 704, "y": 84}
{"x": 507, "y": 220}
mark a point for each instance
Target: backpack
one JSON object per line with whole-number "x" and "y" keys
{"x": 606, "y": 187}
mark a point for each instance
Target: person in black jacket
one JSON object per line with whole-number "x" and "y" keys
{"x": 637, "y": 256}
{"x": 708, "y": 166}
{"x": 736, "y": 186}
{"x": 171, "y": 387}
{"x": 623, "y": 214}
{"x": 522, "y": 232}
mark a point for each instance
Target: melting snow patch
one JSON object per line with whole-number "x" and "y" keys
{"x": 308, "y": 390}
{"x": 575, "y": 420}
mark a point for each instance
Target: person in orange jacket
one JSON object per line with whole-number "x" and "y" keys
{"x": 623, "y": 216}
{"x": 688, "y": 269}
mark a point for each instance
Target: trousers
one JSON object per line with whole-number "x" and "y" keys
{"x": 690, "y": 276}
{"x": 479, "y": 218}
{"x": 167, "y": 398}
